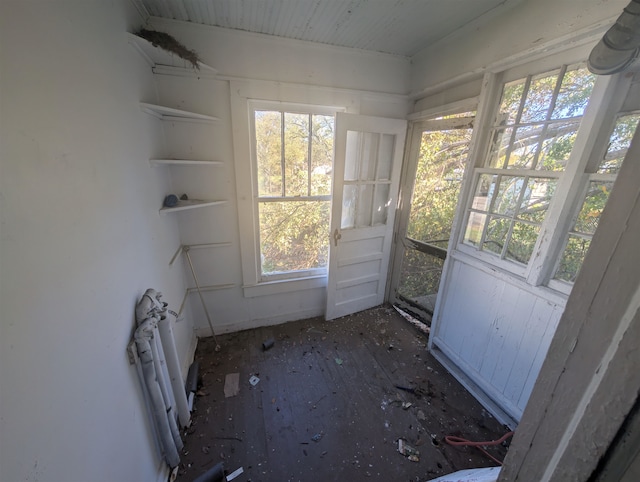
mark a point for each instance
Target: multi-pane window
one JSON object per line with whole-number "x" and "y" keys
{"x": 367, "y": 179}
{"x": 532, "y": 137}
{"x": 594, "y": 198}
{"x": 294, "y": 159}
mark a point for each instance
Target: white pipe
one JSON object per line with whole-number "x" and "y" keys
{"x": 142, "y": 338}
{"x": 175, "y": 374}
{"x": 159, "y": 365}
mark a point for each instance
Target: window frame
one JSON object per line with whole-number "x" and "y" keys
{"x": 261, "y": 283}
{"x": 605, "y": 103}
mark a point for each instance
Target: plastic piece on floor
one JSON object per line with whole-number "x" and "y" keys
{"x": 235, "y": 473}
{"x": 231, "y": 385}
{"x": 254, "y": 380}
{"x": 488, "y": 474}
{"x": 267, "y": 344}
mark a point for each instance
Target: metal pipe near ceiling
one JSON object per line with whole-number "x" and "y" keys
{"x": 620, "y": 46}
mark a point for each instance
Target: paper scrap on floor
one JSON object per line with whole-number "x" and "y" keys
{"x": 231, "y": 385}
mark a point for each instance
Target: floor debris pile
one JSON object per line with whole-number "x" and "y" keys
{"x": 332, "y": 401}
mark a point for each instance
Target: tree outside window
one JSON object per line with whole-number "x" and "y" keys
{"x": 531, "y": 141}
{"x": 294, "y": 160}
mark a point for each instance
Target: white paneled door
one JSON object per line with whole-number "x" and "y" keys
{"x": 368, "y": 157}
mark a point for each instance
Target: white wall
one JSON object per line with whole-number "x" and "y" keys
{"x": 528, "y": 26}
{"x": 252, "y": 66}
{"x": 81, "y": 239}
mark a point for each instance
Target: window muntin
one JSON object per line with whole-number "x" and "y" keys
{"x": 294, "y": 162}
{"x": 535, "y": 128}
{"x": 595, "y": 197}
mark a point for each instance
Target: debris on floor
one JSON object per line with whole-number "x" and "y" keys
{"x": 268, "y": 344}
{"x": 311, "y": 418}
{"x": 408, "y": 451}
{"x": 231, "y": 385}
{"x": 254, "y": 380}
{"x": 234, "y": 474}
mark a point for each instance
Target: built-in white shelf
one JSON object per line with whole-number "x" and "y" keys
{"x": 170, "y": 114}
{"x": 163, "y": 62}
{"x": 184, "y": 162}
{"x": 190, "y": 204}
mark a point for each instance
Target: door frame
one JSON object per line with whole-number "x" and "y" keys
{"x": 407, "y": 184}
{"x": 361, "y": 123}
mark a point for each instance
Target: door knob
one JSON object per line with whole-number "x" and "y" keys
{"x": 336, "y": 236}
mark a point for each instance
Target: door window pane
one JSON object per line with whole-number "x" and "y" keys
{"x": 364, "y": 205}
{"x": 349, "y": 197}
{"x": 385, "y": 159}
{"x": 381, "y": 204}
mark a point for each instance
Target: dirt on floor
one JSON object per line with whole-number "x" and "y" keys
{"x": 337, "y": 400}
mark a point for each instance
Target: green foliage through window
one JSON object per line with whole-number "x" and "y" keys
{"x": 294, "y": 155}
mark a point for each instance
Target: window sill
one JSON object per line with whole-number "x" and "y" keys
{"x": 285, "y": 286}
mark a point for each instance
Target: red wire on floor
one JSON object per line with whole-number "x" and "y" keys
{"x": 459, "y": 441}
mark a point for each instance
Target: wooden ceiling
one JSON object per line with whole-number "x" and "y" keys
{"x": 400, "y": 27}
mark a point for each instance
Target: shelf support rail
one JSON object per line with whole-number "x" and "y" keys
{"x": 186, "y": 250}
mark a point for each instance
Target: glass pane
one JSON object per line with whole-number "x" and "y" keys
{"x": 511, "y": 97}
{"x": 572, "y": 258}
{"x": 364, "y": 205}
{"x": 484, "y": 192}
{"x": 475, "y": 225}
{"x": 594, "y": 202}
{"x": 352, "y": 151}
{"x": 619, "y": 143}
{"x": 321, "y": 155}
{"x": 349, "y": 197}
{"x": 441, "y": 163}
{"x": 507, "y": 196}
{"x": 522, "y": 241}
{"x": 381, "y": 203}
{"x": 420, "y": 278}
{"x": 557, "y": 145}
{"x": 536, "y": 199}
{"x": 498, "y": 150}
{"x": 368, "y": 155}
{"x": 574, "y": 94}
{"x": 385, "y": 156}
{"x": 268, "y": 152}
{"x": 524, "y": 147}
{"x": 294, "y": 235}
{"x": 296, "y": 154}
{"x": 539, "y": 97}
{"x": 496, "y": 235}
